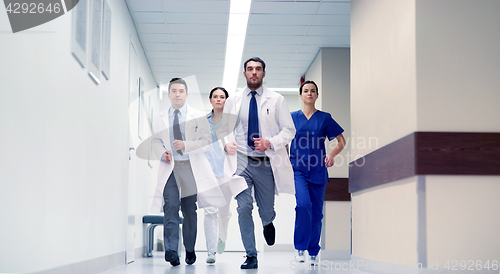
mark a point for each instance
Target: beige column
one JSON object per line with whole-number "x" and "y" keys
{"x": 330, "y": 70}
{"x": 426, "y": 66}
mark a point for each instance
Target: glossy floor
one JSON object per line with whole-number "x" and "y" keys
{"x": 229, "y": 262}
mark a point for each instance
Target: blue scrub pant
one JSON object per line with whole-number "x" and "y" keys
{"x": 308, "y": 215}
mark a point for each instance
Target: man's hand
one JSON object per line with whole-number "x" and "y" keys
{"x": 178, "y": 145}
{"x": 329, "y": 161}
{"x": 167, "y": 156}
{"x": 261, "y": 144}
{"x": 231, "y": 148}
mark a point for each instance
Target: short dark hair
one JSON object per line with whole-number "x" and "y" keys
{"x": 216, "y": 88}
{"x": 308, "y": 82}
{"x": 255, "y": 59}
{"x": 177, "y": 81}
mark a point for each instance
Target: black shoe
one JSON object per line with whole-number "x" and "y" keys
{"x": 250, "y": 263}
{"x": 172, "y": 257}
{"x": 269, "y": 233}
{"x": 190, "y": 257}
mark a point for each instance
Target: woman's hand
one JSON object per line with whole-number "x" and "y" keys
{"x": 231, "y": 148}
{"x": 329, "y": 161}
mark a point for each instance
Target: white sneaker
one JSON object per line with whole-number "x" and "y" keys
{"x": 299, "y": 256}
{"x": 221, "y": 246}
{"x": 313, "y": 260}
{"x": 211, "y": 258}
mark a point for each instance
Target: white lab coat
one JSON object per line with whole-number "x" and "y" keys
{"x": 197, "y": 141}
{"x": 275, "y": 124}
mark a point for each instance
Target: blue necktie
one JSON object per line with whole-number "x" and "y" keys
{"x": 177, "y": 129}
{"x": 253, "y": 121}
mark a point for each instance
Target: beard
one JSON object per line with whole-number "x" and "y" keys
{"x": 254, "y": 86}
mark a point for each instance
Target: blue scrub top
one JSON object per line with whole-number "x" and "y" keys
{"x": 307, "y": 151}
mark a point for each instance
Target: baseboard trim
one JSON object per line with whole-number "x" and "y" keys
{"x": 96, "y": 265}
{"x": 335, "y": 255}
{"x": 379, "y": 267}
{"x": 139, "y": 252}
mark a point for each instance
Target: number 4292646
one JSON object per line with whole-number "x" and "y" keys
{"x": 34, "y": 8}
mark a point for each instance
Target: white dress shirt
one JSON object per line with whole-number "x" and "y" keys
{"x": 241, "y": 132}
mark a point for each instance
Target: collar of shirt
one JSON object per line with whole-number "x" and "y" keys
{"x": 259, "y": 91}
{"x": 210, "y": 114}
{"x": 209, "y": 117}
{"x": 183, "y": 111}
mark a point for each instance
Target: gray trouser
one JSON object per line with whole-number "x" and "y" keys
{"x": 259, "y": 176}
{"x": 181, "y": 174}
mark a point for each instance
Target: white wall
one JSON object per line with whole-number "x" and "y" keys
{"x": 384, "y": 222}
{"x": 425, "y": 66}
{"x": 458, "y": 73}
{"x": 293, "y": 101}
{"x": 383, "y": 109}
{"x": 337, "y": 226}
{"x": 65, "y": 146}
{"x": 330, "y": 71}
{"x": 383, "y": 72}
{"x": 336, "y": 93}
{"x": 462, "y": 218}
{"x": 315, "y": 73}
{"x": 458, "y": 91}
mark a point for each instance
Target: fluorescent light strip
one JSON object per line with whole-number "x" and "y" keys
{"x": 237, "y": 28}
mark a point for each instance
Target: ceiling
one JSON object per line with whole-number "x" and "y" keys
{"x": 188, "y": 37}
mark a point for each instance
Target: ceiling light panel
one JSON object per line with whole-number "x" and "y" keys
{"x": 285, "y": 7}
{"x": 197, "y": 29}
{"x": 261, "y": 47}
{"x": 220, "y": 17}
{"x": 161, "y": 69}
{"x": 146, "y": 5}
{"x": 280, "y": 19}
{"x": 157, "y": 46}
{"x": 331, "y": 19}
{"x": 197, "y": 39}
{"x": 160, "y": 54}
{"x": 199, "y": 63}
{"x": 197, "y": 47}
{"x": 277, "y": 30}
{"x": 328, "y": 41}
{"x": 153, "y": 28}
{"x": 203, "y": 6}
{"x": 329, "y": 30}
{"x": 335, "y": 8}
{"x": 155, "y": 38}
{"x": 148, "y": 17}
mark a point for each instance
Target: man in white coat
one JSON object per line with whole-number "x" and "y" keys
{"x": 182, "y": 136}
{"x": 256, "y": 127}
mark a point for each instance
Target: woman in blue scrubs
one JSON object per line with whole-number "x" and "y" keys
{"x": 310, "y": 161}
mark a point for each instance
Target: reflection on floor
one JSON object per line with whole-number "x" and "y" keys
{"x": 229, "y": 262}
